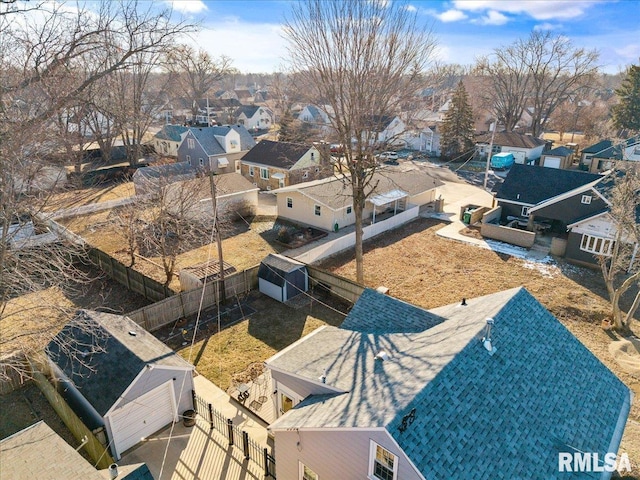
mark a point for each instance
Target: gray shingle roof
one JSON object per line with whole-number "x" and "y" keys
{"x": 512, "y": 139}
{"x": 248, "y": 110}
{"x": 374, "y": 312}
{"x": 531, "y": 184}
{"x": 335, "y": 193}
{"x": 276, "y": 154}
{"x": 477, "y": 415}
{"x": 39, "y": 452}
{"x": 562, "y": 151}
{"x": 616, "y": 152}
{"x": 207, "y": 138}
{"x": 598, "y": 147}
{"x": 171, "y": 132}
{"x": 113, "y": 356}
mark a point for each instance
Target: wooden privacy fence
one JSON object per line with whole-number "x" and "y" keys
{"x": 184, "y": 304}
{"x": 237, "y": 437}
{"x": 94, "y": 448}
{"x": 130, "y": 278}
{"x": 342, "y": 287}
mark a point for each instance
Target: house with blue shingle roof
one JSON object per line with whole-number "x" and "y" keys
{"x": 217, "y": 149}
{"x": 168, "y": 139}
{"x": 398, "y": 392}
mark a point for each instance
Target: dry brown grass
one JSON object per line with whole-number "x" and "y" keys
{"x": 85, "y": 196}
{"x": 426, "y": 270}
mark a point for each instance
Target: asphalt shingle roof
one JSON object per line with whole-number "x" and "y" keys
{"x": 171, "y": 132}
{"x": 562, "y": 151}
{"x": 512, "y": 139}
{"x": 616, "y": 152}
{"x": 531, "y": 184}
{"x": 102, "y": 357}
{"x": 207, "y": 138}
{"x": 477, "y": 415}
{"x": 248, "y": 110}
{"x": 598, "y": 147}
{"x": 276, "y": 154}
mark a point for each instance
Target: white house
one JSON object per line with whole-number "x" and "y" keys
{"x": 525, "y": 148}
{"x": 254, "y": 117}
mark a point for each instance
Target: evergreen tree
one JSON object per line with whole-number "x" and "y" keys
{"x": 457, "y": 128}
{"x": 626, "y": 114}
{"x": 286, "y": 133}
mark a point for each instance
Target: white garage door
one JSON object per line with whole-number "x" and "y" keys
{"x": 142, "y": 417}
{"x": 552, "y": 162}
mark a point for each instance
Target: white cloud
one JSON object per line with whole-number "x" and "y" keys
{"x": 253, "y": 47}
{"x": 630, "y": 52}
{"x": 546, "y": 26}
{"x": 411, "y": 8}
{"x": 451, "y": 16}
{"x": 187, "y": 6}
{"x": 493, "y": 18}
{"x": 537, "y": 9}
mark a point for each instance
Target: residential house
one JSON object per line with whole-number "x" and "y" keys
{"x": 270, "y": 165}
{"x": 588, "y": 153}
{"x": 39, "y": 452}
{"x": 625, "y": 151}
{"x": 559, "y": 157}
{"x": 328, "y": 204}
{"x": 422, "y": 139}
{"x": 254, "y": 117}
{"x": 493, "y": 387}
{"x": 317, "y": 116}
{"x": 385, "y": 130}
{"x": 525, "y": 148}
{"x": 168, "y": 139}
{"x": 217, "y": 149}
{"x": 118, "y": 378}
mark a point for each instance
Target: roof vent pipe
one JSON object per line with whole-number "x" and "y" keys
{"x": 464, "y": 302}
{"x": 113, "y": 471}
{"x": 486, "y": 340}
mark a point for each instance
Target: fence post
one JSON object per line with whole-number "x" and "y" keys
{"x": 230, "y": 430}
{"x": 195, "y": 402}
{"x": 266, "y": 462}
{"x": 245, "y": 444}
{"x": 210, "y": 417}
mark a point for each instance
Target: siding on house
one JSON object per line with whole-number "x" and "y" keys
{"x": 511, "y": 209}
{"x": 574, "y": 254}
{"x": 335, "y": 454}
{"x": 303, "y": 211}
{"x": 155, "y": 377}
{"x": 572, "y": 207}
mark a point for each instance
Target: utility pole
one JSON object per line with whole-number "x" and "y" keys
{"x": 216, "y": 225}
{"x": 489, "y": 154}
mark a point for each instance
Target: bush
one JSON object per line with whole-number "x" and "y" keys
{"x": 284, "y": 235}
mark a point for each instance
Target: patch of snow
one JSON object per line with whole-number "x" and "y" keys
{"x": 547, "y": 267}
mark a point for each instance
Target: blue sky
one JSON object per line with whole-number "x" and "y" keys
{"x": 249, "y": 31}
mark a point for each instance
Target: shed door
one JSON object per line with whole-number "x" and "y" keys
{"x": 552, "y": 162}
{"x": 142, "y": 417}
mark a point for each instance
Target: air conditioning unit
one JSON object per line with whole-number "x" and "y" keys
{"x": 268, "y": 187}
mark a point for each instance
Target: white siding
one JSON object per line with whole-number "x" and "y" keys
{"x": 303, "y": 211}
{"x": 268, "y": 288}
{"x": 334, "y": 454}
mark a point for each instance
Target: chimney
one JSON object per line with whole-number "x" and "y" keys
{"x": 325, "y": 153}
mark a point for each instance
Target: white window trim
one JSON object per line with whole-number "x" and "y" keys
{"x": 525, "y": 211}
{"x": 586, "y": 199}
{"x": 250, "y": 171}
{"x": 201, "y": 162}
{"x": 349, "y": 209}
{"x": 301, "y": 470}
{"x": 596, "y": 245}
{"x": 191, "y": 143}
{"x": 189, "y": 160}
{"x": 264, "y": 173}
{"x": 372, "y": 456}
{"x": 289, "y": 202}
{"x": 317, "y": 210}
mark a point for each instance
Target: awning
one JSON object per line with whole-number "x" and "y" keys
{"x": 279, "y": 176}
{"x": 223, "y": 162}
{"x": 388, "y": 197}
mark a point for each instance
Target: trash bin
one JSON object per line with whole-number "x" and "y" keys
{"x": 466, "y": 217}
{"x": 189, "y": 418}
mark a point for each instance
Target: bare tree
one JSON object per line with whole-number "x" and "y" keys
{"x": 540, "y": 72}
{"x": 197, "y": 72}
{"x": 621, "y": 268}
{"x": 362, "y": 59}
{"x": 47, "y": 62}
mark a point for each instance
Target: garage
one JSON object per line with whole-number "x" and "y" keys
{"x": 143, "y": 417}
{"x": 552, "y": 162}
{"x": 118, "y": 378}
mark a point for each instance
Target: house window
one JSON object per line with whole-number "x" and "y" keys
{"x": 317, "y": 210}
{"x": 312, "y": 156}
{"x": 281, "y": 183}
{"x": 349, "y": 210}
{"x": 306, "y": 473}
{"x": 305, "y": 175}
{"x": 586, "y": 199}
{"x": 264, "y": 173}
{"x": 597, "y": 245}
{"x": 191, "y": 143}
{"x": 289, "y": 202}
{"x": 251, "y": 171}
{"x": 382, "y": 463}
{"x": 201, "y": 162}
{"x": 525, "y": 211}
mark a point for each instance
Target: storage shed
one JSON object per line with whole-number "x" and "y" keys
{"x": 282, "y": 278}
{"x": 116, "y": 375}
